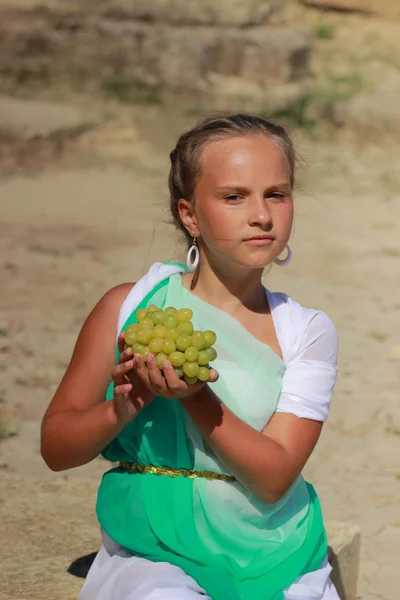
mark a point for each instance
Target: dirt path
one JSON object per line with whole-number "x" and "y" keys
{"x": 71, "y": 232}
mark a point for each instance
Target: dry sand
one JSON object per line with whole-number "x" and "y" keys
{"x": 97, "y": 218}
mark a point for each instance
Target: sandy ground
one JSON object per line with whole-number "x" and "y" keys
{"x": 99, "y": 217}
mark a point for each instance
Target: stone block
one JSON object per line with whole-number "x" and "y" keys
{"x": 235, "y": 13}
{"x": 236, "y": 94}
{"x": 262, "y": 54}
{"x": 28, "y": 119}
{"x": 344, "y": 556}
{"x": 372, "y": 114}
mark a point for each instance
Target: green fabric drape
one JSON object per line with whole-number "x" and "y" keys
{"x": 235, "y": 546}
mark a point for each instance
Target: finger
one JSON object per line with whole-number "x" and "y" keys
{"x": 122, "y": 390}
{"x": 120, "y": 371}
{"x": 214, "y": 376}
{"x": 121, "y": 341}
{"x": 125, "y": 355}
{"x": 174, "y": 384}
{"x": 155, "y": 376}
{"x": 141, "y": 370}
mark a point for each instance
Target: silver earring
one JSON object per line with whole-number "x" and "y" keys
{"x": 282, "y": 262}
{"x": 193, "y": 256}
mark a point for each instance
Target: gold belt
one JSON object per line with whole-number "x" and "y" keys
{"x": 138, "y": 468}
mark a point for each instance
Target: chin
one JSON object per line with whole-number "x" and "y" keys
{"x": 256, "y": 262}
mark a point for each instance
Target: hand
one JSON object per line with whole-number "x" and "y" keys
{"x": 167, "y": 385}
{"x": 130, "y": 394}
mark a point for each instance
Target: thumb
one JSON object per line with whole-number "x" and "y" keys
{"x": 121, "y": 342}
{"x": 214, "y": 376}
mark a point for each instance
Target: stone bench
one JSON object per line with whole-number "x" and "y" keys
{"x": 344, "y": 556}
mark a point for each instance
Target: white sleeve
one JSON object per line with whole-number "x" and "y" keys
{"x": 311, "y": 373}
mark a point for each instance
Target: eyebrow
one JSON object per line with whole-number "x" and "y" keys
{"x": 243, "y": 190}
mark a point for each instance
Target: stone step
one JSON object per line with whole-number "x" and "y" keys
{"x": 344, "y": 556}
{"x": 131, "y": 59}
{"x": 176, "y": 12}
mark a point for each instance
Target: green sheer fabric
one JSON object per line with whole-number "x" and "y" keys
{"x": 234, "y": 545}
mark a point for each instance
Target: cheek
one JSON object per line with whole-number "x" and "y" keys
{"x": 217, "y": 223}
{"x": 283, "y": 218}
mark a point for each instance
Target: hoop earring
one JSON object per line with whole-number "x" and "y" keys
{"x": 193, "y": 262}
{"x": 282, "y": 262}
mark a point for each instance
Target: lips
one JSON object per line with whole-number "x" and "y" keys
{"x": 260, "y": 237}
{"x": 259, "y": 240}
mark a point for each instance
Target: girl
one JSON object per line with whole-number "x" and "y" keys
{"x": 245, "y": 525}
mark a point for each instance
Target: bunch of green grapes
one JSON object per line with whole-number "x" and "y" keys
{"x": 169, "y": 335}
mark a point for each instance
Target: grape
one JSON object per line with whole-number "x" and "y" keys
{"x": 146, "y": 352}
{"x": 191, "y": 369}
{"x": 158, "y": 317}
{"x": 160, "y": 331}
{"x": 204, "y": 374}
{"x": 152, "y": 308}
{"x": 177, "y": 359}
{"x": 160, "y": 359}
{"x": 191, "y": 353}
{"x": 168, "y": 335}
{"x": 183, "y": 342}
{"x": 198, "y": 340}
{"x": 172, "y": 334}
{"x": 170, "y": 322}
{"x": 183, "y": 315}
{"x": 141, "y": 314}
{"x": 212, "y": 354}
{"x": 138, "y": 348}
{"x": 203, "y": 358}
{"x": 210, "y": 338}
{"x": 130, "y": 338}
{"x": 155, "y": 344}
{"x": 144, "y": 336}
{"x": 186, "y": 327}
{"x": 146, "y": 323}
{"x": 168, "y": 346}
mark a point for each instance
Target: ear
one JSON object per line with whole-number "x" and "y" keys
{"x": 188, "y": 217}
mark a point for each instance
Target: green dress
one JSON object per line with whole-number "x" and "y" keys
{"x": 234, "y": 545}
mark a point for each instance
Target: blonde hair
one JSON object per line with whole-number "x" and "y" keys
{"x": 186, "y": 156}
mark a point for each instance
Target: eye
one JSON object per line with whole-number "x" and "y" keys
{"x": 277, "y": 196}
{"x": 233, "y": 197}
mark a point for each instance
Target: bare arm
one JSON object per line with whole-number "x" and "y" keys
{"x": 266, "y": 463}
{"x": 78, "y": 423}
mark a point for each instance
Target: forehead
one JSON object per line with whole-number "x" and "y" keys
{"x": 244, "y": 157}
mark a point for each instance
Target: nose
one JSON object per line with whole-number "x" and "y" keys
{"x": 259, "y": 212}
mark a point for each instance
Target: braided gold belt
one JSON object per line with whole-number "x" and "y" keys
{"x": 138, "y": 468}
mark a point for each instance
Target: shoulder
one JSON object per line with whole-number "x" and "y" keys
{"x": 117, "y": 295}
{"x": 158, "y": 273}
{"x": 109, "y": 306}
{"x": 303, "y": 331}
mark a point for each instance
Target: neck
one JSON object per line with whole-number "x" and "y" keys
{"x": 231, "y": 288}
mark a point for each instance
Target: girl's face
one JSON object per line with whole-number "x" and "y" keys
{"x": 243, "y": 209}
